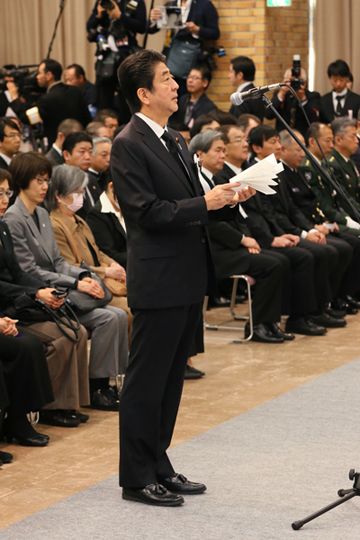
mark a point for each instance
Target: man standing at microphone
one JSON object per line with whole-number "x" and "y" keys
{"x": 166, "y": 214}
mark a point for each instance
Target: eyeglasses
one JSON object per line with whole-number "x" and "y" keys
{"x": 15, "y": 135}
{"x": 8, "y": 193}
{"x": 194, "y": 78}
{"x": 41, "y": 181}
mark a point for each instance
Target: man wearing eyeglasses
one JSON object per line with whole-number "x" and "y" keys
{"x": 10, "y": 140}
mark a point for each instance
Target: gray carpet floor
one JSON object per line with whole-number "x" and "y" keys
{"x": 264, "y": 469}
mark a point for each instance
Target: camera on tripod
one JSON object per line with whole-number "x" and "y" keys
{"x": 296, "y": 81}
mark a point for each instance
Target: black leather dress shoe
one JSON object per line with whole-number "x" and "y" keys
{"x": 57, "y": 418}
{"x": 5, "y": 457}
{"x": 352, "y": 301}
{"x": 276, "y": 331}
{"x": 37, "y": 439}
{"x": 344, "y": 306}
{"x": 105, "y": 399}
{"x": 324, "y": 319}
{"x": 192, "y": 373}
{"x": 83, "y": 418}
{"x": 155, "y": 494}
{"x": 336, "y": 313}
{"x": 262, "y": 335}
{"x": 304, "y": 327}
{"x": 180, "y": 484}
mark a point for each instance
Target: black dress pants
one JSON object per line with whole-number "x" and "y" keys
{"x": 161, "y": 343}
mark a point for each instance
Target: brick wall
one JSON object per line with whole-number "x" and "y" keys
{"x": 270, "y": 36}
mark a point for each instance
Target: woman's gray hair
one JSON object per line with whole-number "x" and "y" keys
{"x": 203, "y": 141}
{"x": 65, "y": 180}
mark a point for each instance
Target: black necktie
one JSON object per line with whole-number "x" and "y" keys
{"x": 338, "y": 106}
{"x": 173, "y": 149}
{"x": 207, "y": 180}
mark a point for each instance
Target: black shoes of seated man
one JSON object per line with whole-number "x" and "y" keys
{"x": 59, "y": 418}
{"x": 263, "y": 334}
{"x": 191, "y": 373}
{"x": 105, "y": 399}
{"x": 324, "y": 319}
{"x": 167, "y": 493}
{"x": 304, "y": 326}
{"x": 5, "y": 457}
{"x": 345, "y": 306}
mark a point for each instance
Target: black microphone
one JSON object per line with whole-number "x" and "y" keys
{"x": 237, "y": 98}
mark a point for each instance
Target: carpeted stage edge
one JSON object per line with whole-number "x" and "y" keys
{"x": 264, "y": 469}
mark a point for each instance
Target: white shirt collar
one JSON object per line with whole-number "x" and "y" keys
{"x": 5, "y": 158}
{"x": 243, "y": 85}
{"x": 57, "y": 149}
{"x": 340, "y": 94}
{"x": 93, "y": 171}
{"x": 207, "y": 173}
{"x": 106, "y": 206}
{"x": 234, "y": 168}
{"x": 157, "y": 129}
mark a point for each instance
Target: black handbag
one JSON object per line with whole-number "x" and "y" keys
{"x": 182, "y": 56}
{"x": 82, "y": 303}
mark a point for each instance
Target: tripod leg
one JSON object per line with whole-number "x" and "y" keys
{"x": 298, "y": 524}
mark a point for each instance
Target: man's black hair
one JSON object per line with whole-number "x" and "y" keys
{"x": 73, "y": 139}
{"x": 245, "y": 65}
{"x": 259, "y": 134}
{"x": 339, "y": 68}
{"x": 54, "y": 67}
{"x": 7, "y": 122}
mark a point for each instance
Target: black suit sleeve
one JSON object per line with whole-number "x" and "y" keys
{"x": 104, "y": 237}
{"x": 224, "y": 234}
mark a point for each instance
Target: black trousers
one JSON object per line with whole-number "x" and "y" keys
{"x": 351, "y": 279}
{"x": 25, "y": 375}
{"x": 161, "y": 343}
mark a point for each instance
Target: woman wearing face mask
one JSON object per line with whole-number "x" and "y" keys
{"x": 39, "y": 256}
{"x": 73, "y": 235}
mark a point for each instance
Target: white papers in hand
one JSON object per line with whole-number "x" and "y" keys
{"x": 260, "y": 176}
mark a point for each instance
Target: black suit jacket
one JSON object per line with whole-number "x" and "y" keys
{"x": 291, "y": 111}
{"x": 110, "y": 236}
{"x": 60, "y": 102}
{"x": 13, "y": 281}
{"x": 327, "y": 112}
{"x": 165, "y": 215}
{"x": 94, "y": 188}
{"x": 250, "y": 106}
{"x": 203, "y": 106}
{"x": 54, "y": 157}
{"x": 3, "y": 164}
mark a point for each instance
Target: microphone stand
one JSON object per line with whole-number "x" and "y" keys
{"x": 338, "y": 188}
{"x": 62, "y": 6}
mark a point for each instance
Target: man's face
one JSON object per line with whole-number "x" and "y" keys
{"x": 111, "y": 125}
{"x": 71, "y": 79}
{"x": 338, "y": 83}
{"x": 11, "y": 143}
{"x": 80, "y": 156}
{"x": 270, "y": 146}
{"x": 237, "y": 148}
{"x": 195, "y": 82}
{"x": 214, "y": 159}
{"x": 234, "y": 78}
{"x": 347, "y": 142}
{"x": 42, "y": 76}
{"x": 162, "y": 99}
{"x": 293, "y": 154}
{"x": 325, "y": 140}
{"x": 100, "y": 161}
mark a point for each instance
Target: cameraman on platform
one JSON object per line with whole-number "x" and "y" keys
{"x": 288, "y": 106}
{"x": 113, "y": 25}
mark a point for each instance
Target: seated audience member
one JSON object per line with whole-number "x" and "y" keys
{"x": 195, "y": 102}
{"x": 108, "y": 225}
{"x": 285, "y": 221}
{"x": 247, "y": 122}
{"x": 288, "y": 105}
{"x": 77, "y": 151}
{"x": 300, "y": 302}
{"x": 24, "y": 386}
{"x": 39, "y": 256}
{"x": 332, "y": 206}
{"x": 356, "y": 155}
{"x": 60, "y": 101}
{"x": 67, "y": 361}
{"x": 10, "y": 141}
{"x": 97, "y": 129}
{"x": 235, "y": 252}
{"x": 242, "y": 75}
{"x": 340, "y": 101}
{"x": 73, "y": 235}
{"x": 109, "y": 118}
{"x": 54, "y": 155}
{"x": 345, "y": 144}
{"x": 100, "y": 161}
{"x": 205, "y": 122}
{"x": 74, "y": 75}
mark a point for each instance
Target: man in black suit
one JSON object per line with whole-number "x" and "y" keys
{"x": 10, "y": 141}
{"x": 61, "y": 101}
{"x": 341, "y": 101}
{"x": 100, "y": 162}
{"x": 75, "y": 76}
{"x": 242, "y": 72}
{"x": 168, "y": 267}
{"x": 195, "y": 102}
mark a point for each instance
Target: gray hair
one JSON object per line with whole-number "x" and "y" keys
{"x": 340, "y": 124}
{"x": 100, "y": 140}
{"x": 65, "y": 179}
{"x": 203, "y": 141}
{"x": 286, "y": 139}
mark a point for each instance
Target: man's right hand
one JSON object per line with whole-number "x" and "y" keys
{"x": 316, "y": 236}
{"x": 155, "y": 14}
{"x": 90, "y": 286}
{"x": 250, "y": 244}
{"x": 281, "y": 242}
{"x": 220, "y": 196}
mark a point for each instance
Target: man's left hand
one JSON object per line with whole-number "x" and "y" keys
{"x": 192, "y": 27}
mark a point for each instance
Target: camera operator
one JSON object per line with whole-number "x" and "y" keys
{"x": 288, "y": 106}
{"x": 186, "y": 46}
{"x": 113, "y": 25}
{"x": 12, "y": 103}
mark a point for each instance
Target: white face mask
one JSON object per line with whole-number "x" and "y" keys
{"x": 77, "y": 203}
